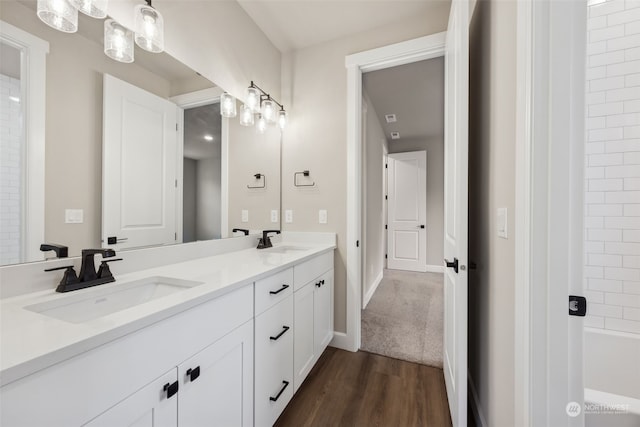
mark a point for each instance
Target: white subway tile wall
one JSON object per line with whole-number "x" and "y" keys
{"x": 612, "y": 202}
{"x": 10, "y": 170}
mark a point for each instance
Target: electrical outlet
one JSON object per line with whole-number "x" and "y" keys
{"x": 74, "y": 216}
{"x": 274, "y": 215}
{"x": 502, "y": 222}
{"x": 322, "y": 216}
{"x": 288, "y": 216}
{"x": 245, "y": 215}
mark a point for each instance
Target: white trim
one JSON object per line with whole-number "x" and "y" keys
{"x": 33, "y": 71}
{"x": 435, "y": 268}
{"x": 388, "y": 56}
{"x": 341, "y": 340}
{"x": 372, "y": 289}
{"x": 193, "y": 100}
{"x": 476, "y": 408}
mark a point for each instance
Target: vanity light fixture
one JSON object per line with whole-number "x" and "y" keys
{"x": 92, "y": 8}
{"x": 149, "y": 28}
{"x": 58, "y": 14}
{"x": 118, "y": 41}
{"x": 261, "y": 103}
{"x": 227, "y": 105}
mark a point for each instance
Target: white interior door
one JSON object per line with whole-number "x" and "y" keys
{"x": 407, "y": 211}
{"x": 455, "y": 210}
{"x": 138, "y": 167}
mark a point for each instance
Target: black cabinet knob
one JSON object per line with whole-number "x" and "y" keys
{"x": 171, "y": 389}
{"x": 194, "y": 373}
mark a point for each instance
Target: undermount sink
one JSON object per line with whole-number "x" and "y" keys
{"x": 102, "y": 302}
{"x": 285, "y": 249}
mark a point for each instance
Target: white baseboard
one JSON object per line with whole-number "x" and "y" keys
{"x": 478, "y": 414}
{"x": 372, "y": 290}
{"x": 342, "y": 341}
{"x": 435, "y": 269}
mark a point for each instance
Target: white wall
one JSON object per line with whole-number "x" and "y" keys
{"x": 492, "y": 137}
{"x": 189, "y": 200}
{"x": 208, "y": 199}
{"x": 612, "y": 221}
{"x": 373, "y": 236}
{"x": 314, "y": 85}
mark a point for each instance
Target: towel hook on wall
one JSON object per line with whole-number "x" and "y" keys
{"x": 305, "y": 174}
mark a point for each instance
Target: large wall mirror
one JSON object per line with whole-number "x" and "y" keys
{"x": 126, "y": 155}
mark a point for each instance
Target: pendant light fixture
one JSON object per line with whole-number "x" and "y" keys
{"x": 92, "y": 8}
{"x": 257, "y": 102}
{"x": 227, "y": 105}
{"x": 149, "y": 28}
{"x": 58, "y": 14}
{"x": 118, "y": 41}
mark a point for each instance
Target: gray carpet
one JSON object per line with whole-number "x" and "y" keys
{"x": 404, "y": 318}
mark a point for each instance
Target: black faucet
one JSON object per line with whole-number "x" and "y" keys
{"x": 60, "y": 250}
{"x": 265, "y": 241}
{"x": 88, "y": 276}
{"x": 244, "y": 230}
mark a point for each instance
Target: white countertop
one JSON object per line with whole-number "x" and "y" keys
{"x": 30, "y": 341}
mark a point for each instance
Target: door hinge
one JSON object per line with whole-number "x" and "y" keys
{"x": 385, "y": 256}
{"x": 386, "y": 227}
{"x": 577, "y": 306}
{"x": 386, "y": 197}
{"x": 357, "y": 243}
{"x": 386, "y": 166}
{"x": 175, "y": 236}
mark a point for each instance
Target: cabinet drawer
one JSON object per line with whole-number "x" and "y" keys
{"x": 273, "y": 289}
{"x": 273, "y": 362}
{"x": 309, "y": 270}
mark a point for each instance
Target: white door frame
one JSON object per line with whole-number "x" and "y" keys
{"x": 33, "y": 72}
{"x": 548, "y": 220}
{"x": 419, "y": 49}
{"x": 198, "y": 99}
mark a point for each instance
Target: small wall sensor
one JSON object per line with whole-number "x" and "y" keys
{"x": 390, "y": 118}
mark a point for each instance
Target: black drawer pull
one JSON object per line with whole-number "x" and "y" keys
{"x": 279, "y": 290}
{"x": 273, "y": 399}
{"x": 322, "y": 281}
{"x": 171, "y": 389}
{"x": 284, "y": 329}
{"x": 193, "y": 373}
{"x": 318, "y": 284}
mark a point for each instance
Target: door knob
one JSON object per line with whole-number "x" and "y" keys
{"x": 453, "y": 264}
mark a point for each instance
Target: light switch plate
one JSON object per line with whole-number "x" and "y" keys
{"x": 288, "y": 216}
{"x": 502, "y": 222}
{"x": 245, "y": 215}
{"x": 74, "y": 216}
{"x": 322, "y": 216}
{"x": 274, "y": 215}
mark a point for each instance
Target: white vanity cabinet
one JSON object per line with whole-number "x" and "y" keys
{"x": 313, "y": 313}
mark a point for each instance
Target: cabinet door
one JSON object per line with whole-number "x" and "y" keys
{"x": 274, "y": 362}
{"x": 148, "y": 407}
{"x": 216, "y": 385}
{"x": 323, "y": 313}
{"x": 303, "y": 347}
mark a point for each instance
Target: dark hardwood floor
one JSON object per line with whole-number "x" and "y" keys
{"x": 364, "y": 389}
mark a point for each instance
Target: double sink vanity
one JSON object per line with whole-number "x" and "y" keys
{"x": 223, "y": 337}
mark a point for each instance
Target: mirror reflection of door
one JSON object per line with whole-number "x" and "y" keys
{"x": 201, "y": 218}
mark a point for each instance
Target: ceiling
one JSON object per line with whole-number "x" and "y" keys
{"x": 198, "y": 122}
{"x": 414, "y": 93}
{"x": 295, "y": 24}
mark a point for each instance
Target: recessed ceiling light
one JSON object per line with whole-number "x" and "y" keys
{"x": 395, "y": 135}
{"x": 208, "y": 138}
{"x": 14, "y": 98}
{"x": 390, "y": 118}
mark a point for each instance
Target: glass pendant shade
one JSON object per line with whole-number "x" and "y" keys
{"x": 58, "y": 14}
{"x": 253, "y": 99}
{"x": 282, "y": 119}
{"x": 246, "y": 115}
{"x": 149, "y": 28}
{"x": 227, "y": 105}
{"x": 93, "y": 8}
{"x": 269, "y": 111}
{"x": 118, "y": 41}
{"x": 261, "y": 125}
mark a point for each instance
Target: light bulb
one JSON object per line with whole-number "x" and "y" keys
{"x": 282, "y": 119}
{"x": 253, "y": 99}
{"x": 93, "y": 8}
{"x": 149, "y": 28}
{"x": 227, "y": 105}
{"x": 246, "y": 115}
{"x": 269, "y": 111}
{"x": 261, "y": 126}
{"x": 118, "y": 41}
{"x": 58, "y": 14}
